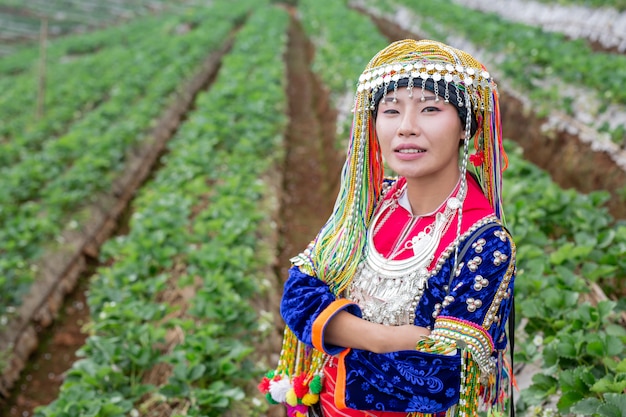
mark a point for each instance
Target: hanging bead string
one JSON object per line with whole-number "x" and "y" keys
{"x": 297, "y": 380}
{"x": 464, "y": 159}
{"x": 470, "y": 386}
{"x": 340, "y": 243}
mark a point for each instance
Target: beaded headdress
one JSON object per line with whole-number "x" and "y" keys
{"x": 423, "y": 64}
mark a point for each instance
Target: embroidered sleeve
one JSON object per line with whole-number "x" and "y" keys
{"x": 307, "y": 305}
{"x": 477, "y": 307}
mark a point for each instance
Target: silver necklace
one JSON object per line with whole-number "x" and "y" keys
{"x": 423, "y": 244}
{"x": 388, "y": 290}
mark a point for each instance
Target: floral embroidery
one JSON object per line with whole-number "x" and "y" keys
{"x": 424, "y": 404}
{"x": 422, "y": 378}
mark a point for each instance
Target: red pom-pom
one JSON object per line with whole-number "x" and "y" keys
{"x": 264, "y": 385}
{"x": 300, "y": 387}
{"x": 477, "y": 159}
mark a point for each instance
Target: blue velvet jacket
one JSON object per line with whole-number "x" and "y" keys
{"x": 470, "y": 307}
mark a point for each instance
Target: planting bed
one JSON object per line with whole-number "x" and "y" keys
{"x": 171, "y": 281}
{"x": 604, "y": 28}
{"x": 46, "y": 296}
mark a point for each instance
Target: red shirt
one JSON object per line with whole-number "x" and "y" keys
{"x": 475, "y": 207}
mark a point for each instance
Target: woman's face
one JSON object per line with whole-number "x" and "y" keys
{"x": 419, "y": 139}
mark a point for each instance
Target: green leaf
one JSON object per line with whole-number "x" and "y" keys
{"x": 550, "y": 355}
{"x": 609, "y": 384}
{"x": 615, "y": 330}
{"x": 586, "y": 406}
{"x": 614, "y": 346}
{"x": 196, "y": 372}
{"x": 575, "y": 380}
{"x": 596, "y": 347}
{"x": 533, "y": 308}
{"x": 605, "y": 309}
{"x": 610, "y": 410}
{"x": 567, "y": 349}
{"x": 562, "y": 254}
{"x": 602, "y": 385}
{"x": 605, "y": 238}
{"x": 568, "y": 399}
{"x": 610, "y": 363}
{"x": 180, "y": 371}
{"x": 617, "y": 400}
{"x": 621, "y": 367}
{"x": 600, "y": 271}
{"x": 544, "y": 382}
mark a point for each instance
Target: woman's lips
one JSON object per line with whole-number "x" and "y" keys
{"x": 408, "y": 152}
{"x": 411, "y": 150}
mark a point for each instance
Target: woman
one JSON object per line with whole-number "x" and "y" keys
{"x": 398, "y": 307}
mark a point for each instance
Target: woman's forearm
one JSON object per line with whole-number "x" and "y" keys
{"x": 348, "y": 330}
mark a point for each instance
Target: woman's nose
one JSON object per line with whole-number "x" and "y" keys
{"x": 408, "y": 125}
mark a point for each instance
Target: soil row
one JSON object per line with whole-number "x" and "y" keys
{"x": 311, "y": 168}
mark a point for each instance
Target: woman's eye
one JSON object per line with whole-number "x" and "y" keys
{"x": 390, "y": 111}
{"x": 430, "y": 109}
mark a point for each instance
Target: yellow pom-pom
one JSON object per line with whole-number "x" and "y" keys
{"x": 299, "y": 414}
{"x": 310, "y": 399}
{"x": 291, "y": 398}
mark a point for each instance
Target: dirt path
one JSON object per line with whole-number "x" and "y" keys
{"x": 312, "y": 164}
{"x": 40, "y": 380}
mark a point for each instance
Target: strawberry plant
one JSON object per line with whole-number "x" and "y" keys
{"x": 616, "y": 4}
{"x": 69, "y": 99}
{"x": 567, "y": 242}
{"x": 21, "y": 21}
{"x": 48, "y": 182}
{"x": 175, "y": 242}
{"x": 196, "y": 227}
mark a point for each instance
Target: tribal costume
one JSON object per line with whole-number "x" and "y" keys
{"x": 450, "y": 271}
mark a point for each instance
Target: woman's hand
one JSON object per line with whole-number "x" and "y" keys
{"x": 347, "y": 330}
